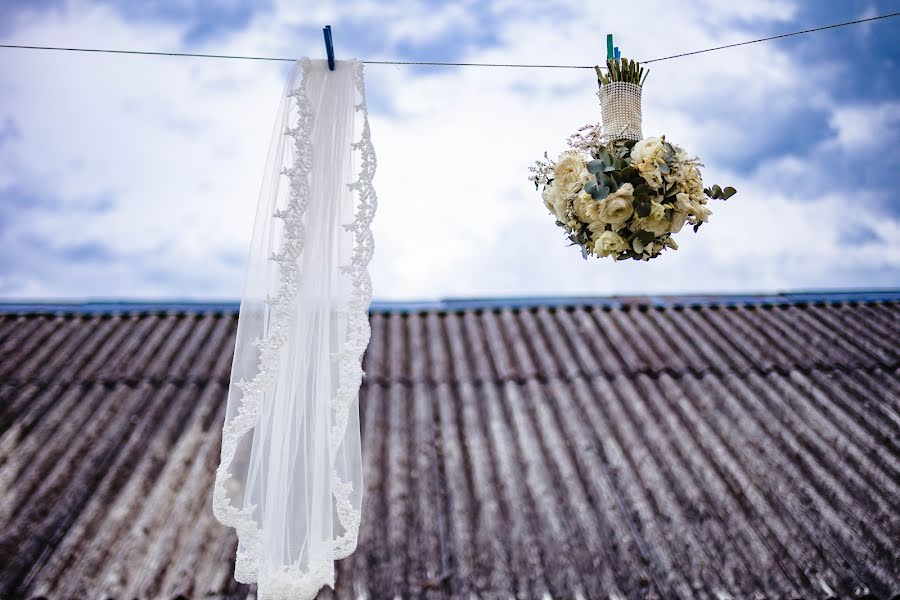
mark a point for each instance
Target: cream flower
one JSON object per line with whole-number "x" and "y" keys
{"x": 648, "y": 150}
{"x": 555, "y": 202}
{"x": 609, "y": 242}
{"x": 656, "y": 222}
{"x": 570, "y": 174}
{"x": 699, "y": 212}
{"x": 587, "y": 209}
{"x": 692, "y": 183}
{"x": 617, "y": 207}
{"x": 682, "y": 207}
{"x": 651, "y": 175}
{"x": 597, "y": 228}
{"x": 679, "y": 173}
{"x": 646, "y": 156}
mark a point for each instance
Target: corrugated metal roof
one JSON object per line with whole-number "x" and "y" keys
{"x": 592, "y": 448}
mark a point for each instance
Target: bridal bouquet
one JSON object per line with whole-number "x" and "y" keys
{"x": 620, "y": 195}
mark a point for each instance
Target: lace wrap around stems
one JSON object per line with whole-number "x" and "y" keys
{"x": 290, "y": 477}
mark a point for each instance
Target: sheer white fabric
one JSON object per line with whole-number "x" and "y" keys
{"x": 290, "y": 477}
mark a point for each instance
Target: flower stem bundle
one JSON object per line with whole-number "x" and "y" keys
{"x": 622, "y": 70}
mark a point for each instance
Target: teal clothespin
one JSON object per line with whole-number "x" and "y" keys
{"x": 610, "y": 51}
{"x": 329, "y": 46}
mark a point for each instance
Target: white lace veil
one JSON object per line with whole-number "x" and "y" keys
{"x": 290, "y": 477}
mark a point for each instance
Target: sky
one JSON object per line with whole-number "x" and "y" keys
{"x": 136, "y": 177}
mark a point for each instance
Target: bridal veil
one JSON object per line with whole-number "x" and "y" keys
{"x": 290, "y": 477}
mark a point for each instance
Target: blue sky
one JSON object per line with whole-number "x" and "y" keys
{"x": 136, "y": 177}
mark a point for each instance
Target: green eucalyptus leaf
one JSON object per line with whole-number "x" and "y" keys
{"x": 600, "y": 193}
{"x": 663, "y": 168}
{"x": 642, "y": 192}
{"x": 629, "y": 173}
{"x": 595, "y": 166}
{"x": 728, "y": 193}
{"x": 590, "y": 187}
{"x": 615, "y": 178}
{"x": 717, "y": 191}
{"x": 642, "y": 208}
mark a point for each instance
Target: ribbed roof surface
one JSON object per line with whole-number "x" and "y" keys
{"x": 592, "y": 449}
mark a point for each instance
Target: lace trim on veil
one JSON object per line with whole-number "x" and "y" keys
{"x": 293, "y": 581}
{"x": 358, "y": 328}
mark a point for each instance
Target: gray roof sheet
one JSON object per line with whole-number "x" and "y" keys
{"x": 593, "y": 448}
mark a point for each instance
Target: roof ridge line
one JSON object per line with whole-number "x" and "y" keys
{"x": 119, "y": 307}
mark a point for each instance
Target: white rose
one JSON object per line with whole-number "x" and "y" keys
{"x": 617, "y": 207}
{"x": 609, "y": 242}
{"x": 570, "y": 174}
{"x": 649, "y": 150}
{"x": 699, "y": 212}
{"x": 678, "y": 219}
{"x": 682, "y": 207}
{"x": 555, "y": 202}
{"x": 587, "y": 209}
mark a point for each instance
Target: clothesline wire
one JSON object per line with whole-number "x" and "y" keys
{"x": 456, "y": 64}
{"x": 776, "y": 37}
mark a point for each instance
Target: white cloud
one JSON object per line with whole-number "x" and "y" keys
{"x": 859, "y": 125}
{"x": 865, "y": 29}
{"x": 177, "y": 146}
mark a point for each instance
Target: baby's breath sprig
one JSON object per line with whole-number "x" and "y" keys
{"x": 542, "y": 171}
{"x": 588, "y": 139}
{"x": 622, "y": 69}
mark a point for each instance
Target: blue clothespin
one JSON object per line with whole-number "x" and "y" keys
{"x": 329, "y": 46}
{"x": 618, "y": 55}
